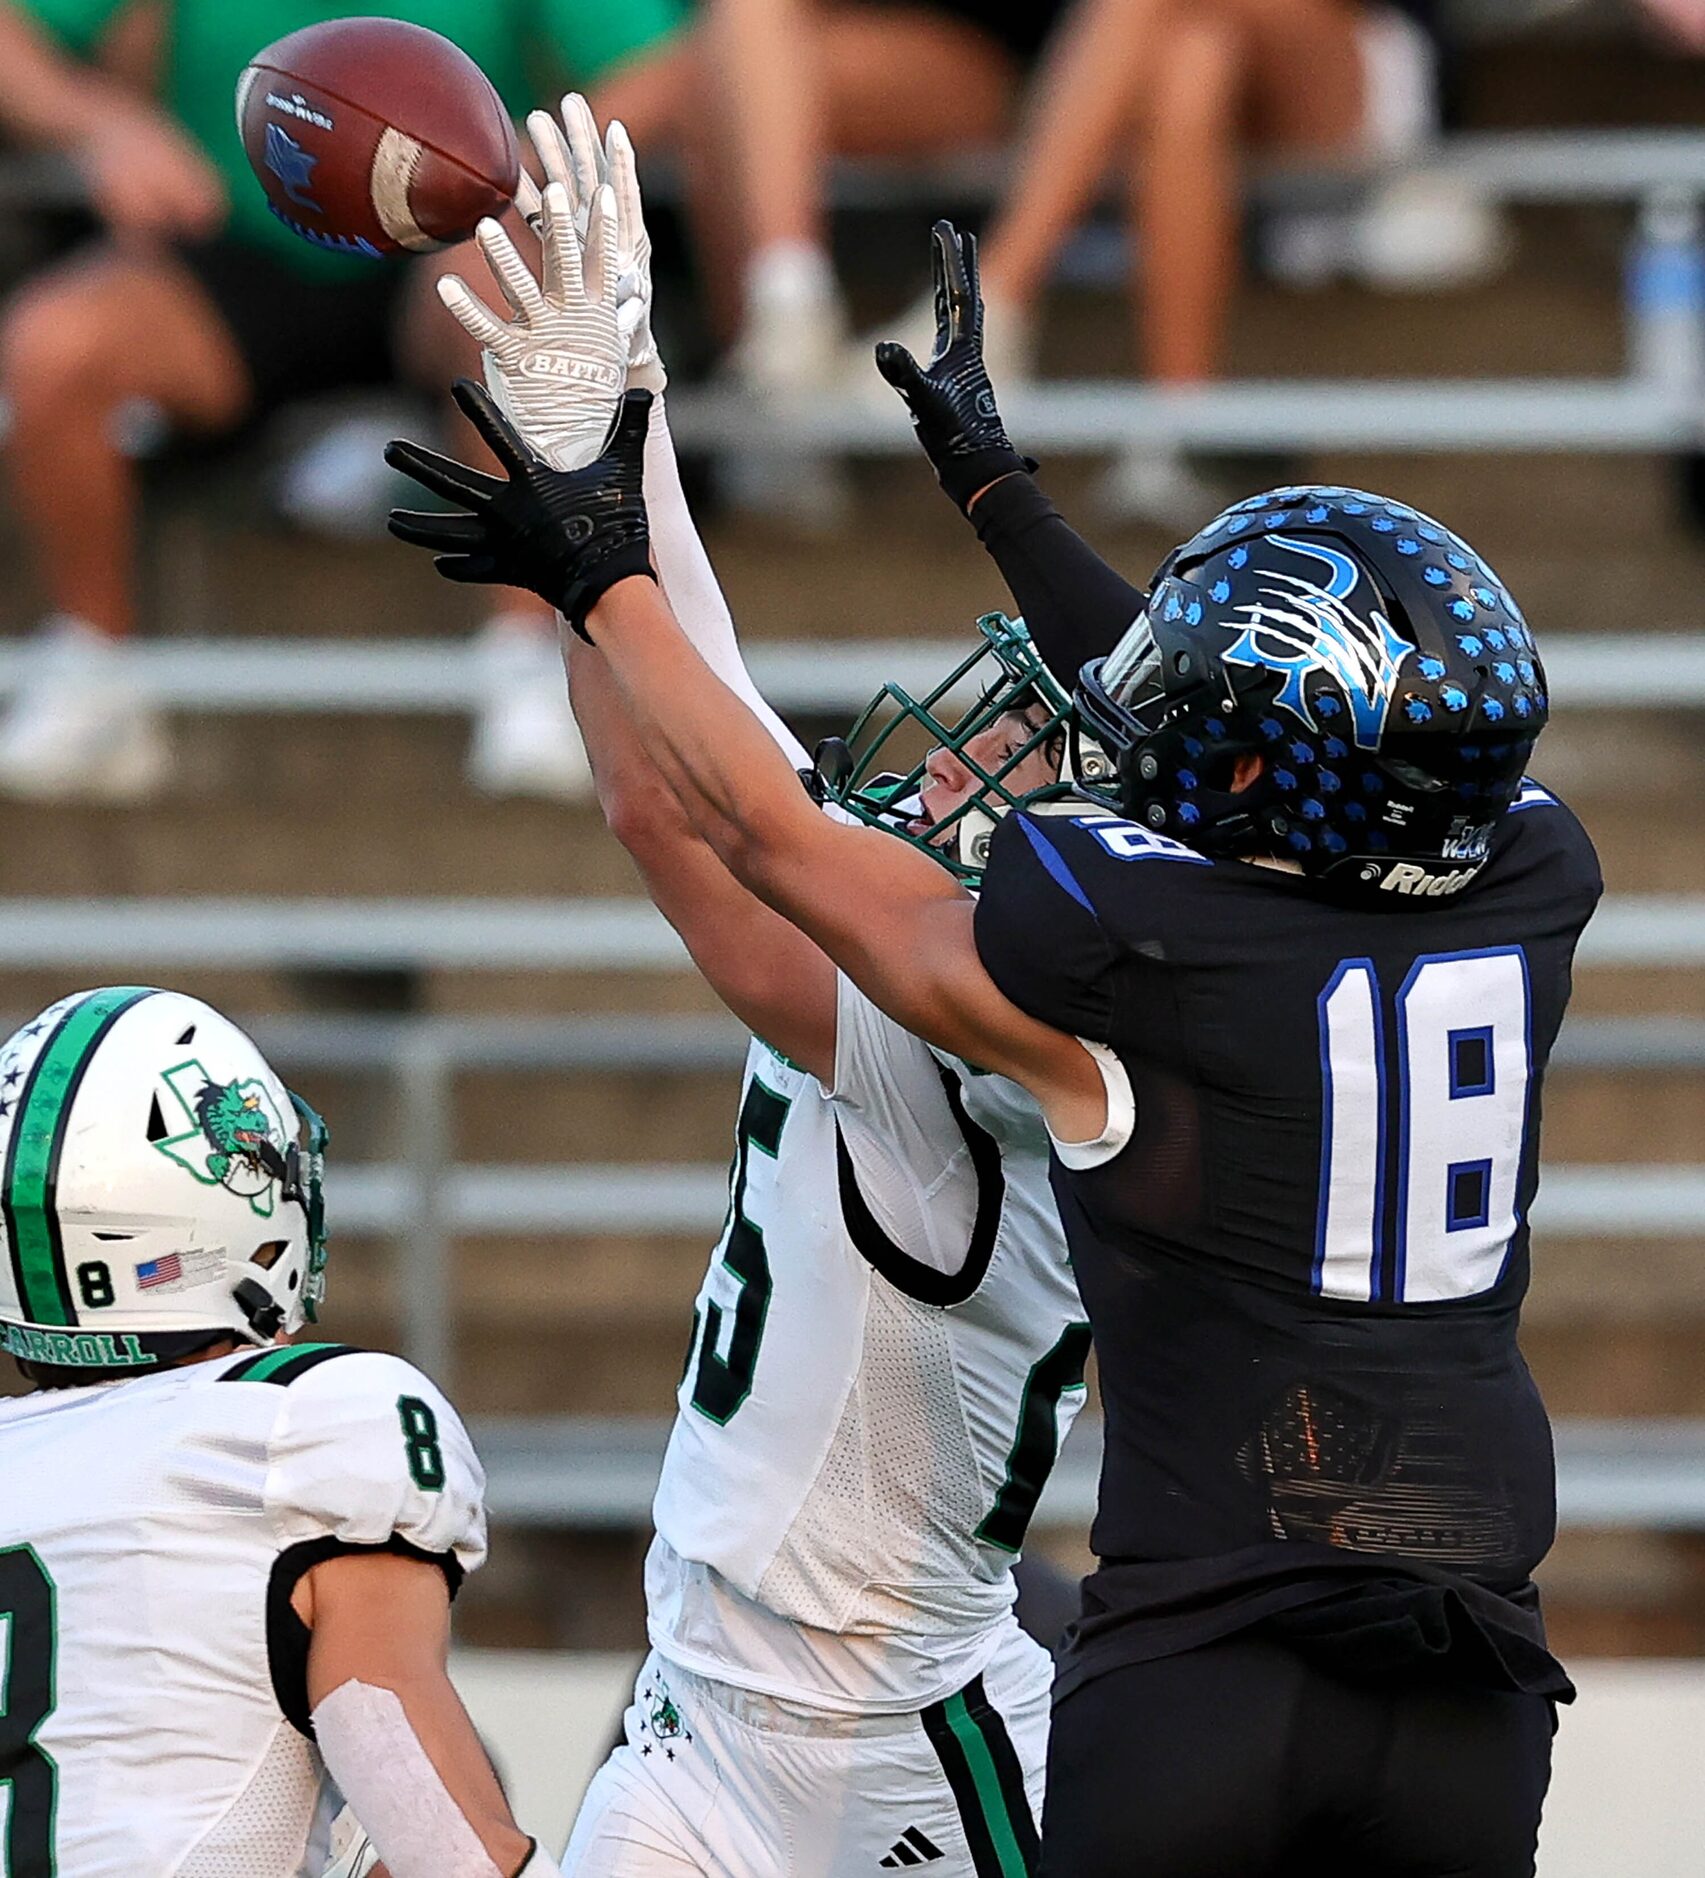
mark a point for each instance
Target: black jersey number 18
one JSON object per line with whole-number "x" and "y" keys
{"x": 27, "y": 1647}
{"x": 722, "y": 1383}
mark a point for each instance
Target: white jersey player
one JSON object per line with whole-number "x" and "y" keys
{"x": 226, "y": 1561}
{"x": 888, "y": 1346}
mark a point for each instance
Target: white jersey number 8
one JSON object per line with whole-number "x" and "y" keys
{"x": 1425, "y": 1131}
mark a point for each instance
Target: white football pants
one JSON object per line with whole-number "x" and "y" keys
{"x": 717, "y": 1782}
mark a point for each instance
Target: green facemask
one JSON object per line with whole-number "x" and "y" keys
{"x": 878, "y": 772}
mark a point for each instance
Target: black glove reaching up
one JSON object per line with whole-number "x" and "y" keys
{"x": 566, "y": 535}
{"x": 951, "y": 400}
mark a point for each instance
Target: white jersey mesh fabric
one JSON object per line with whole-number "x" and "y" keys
{"x": 898, "y": 1496}
{"x": 156, "y": 1510}
{"x": 275, "y": 1824}
{"x": 850, "y": 1410}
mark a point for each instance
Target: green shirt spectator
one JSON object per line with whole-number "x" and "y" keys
{"x": 530, "y": 49}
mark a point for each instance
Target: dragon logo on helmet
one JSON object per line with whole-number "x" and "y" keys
{"x": 1300, "y": 625}
{"x": 228, "y": 1124}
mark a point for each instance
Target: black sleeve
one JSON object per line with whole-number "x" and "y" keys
{"x": 1076, "y": 606}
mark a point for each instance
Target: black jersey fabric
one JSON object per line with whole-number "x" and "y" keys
{"x": 1317, "y": 1417}
{"x": 1242, "y": 1760}
{"x": 1075, "y": 606}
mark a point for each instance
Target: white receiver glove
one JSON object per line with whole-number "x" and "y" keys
{"x": 571, "y": 154}
{"x": 557, "y": 366}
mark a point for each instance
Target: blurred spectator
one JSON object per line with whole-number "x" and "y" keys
{"x": 200, "y": 303}
{"x": 1171, "y": 95}
{"x": 1176, "y": 94}
{"x": 1680, "y": 23}
{"x": 804, "y": 79}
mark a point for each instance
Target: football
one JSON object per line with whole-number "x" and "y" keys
{"x": 372, "y": 136}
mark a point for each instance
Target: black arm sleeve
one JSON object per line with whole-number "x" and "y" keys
{"x": 1075, "y": 605}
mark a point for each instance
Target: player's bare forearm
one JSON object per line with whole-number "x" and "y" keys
{"x": 888, "y": 916}
{"x": 769, "y": 974}
{"x": 741, "y": 791}
{"x": 384, "y": 1621}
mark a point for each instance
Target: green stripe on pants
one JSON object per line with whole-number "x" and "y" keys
{"x": 32, "y": 1156}
{"x": 996, "y": 1813}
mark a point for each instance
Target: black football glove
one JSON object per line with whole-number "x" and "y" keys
{"x": 566, "y": 535}
{"x": 951, "y": 400}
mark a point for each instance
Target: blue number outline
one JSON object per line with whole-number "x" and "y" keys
{"x": 1365, "y": 966}
{"x": 1399, "y": 1263}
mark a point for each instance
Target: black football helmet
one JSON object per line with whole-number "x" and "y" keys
{"x": 1366, "y": 652}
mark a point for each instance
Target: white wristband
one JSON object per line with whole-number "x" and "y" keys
{"x": 381, "y": 1769}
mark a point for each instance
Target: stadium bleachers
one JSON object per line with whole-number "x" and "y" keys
{"x": 530, "y": 1095}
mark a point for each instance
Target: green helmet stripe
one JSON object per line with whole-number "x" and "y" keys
{"x": 28, "y": 1196}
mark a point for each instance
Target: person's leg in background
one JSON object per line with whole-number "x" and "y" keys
{"x": 1098, "y": 68}
{"x": 850, "y": 79}
{"x": 1237, "y": 76}
{"x": 76, "y": 344}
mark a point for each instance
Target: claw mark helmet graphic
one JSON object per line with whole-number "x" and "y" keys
{"x": 1367, "y": 654}
{"x": 1298, "y": 625}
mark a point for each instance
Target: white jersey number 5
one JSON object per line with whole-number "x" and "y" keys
{"x": 1422, "y": 1132}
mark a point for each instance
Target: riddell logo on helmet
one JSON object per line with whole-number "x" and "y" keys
{"x": 1405, "y": 877}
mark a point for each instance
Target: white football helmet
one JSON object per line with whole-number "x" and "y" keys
{"x": 158, "y": 1184}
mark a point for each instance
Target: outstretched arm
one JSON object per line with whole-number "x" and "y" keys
{"x": 768, "y": 973}
{"x": 894, "y": 921}
{"x": 1075, "y": 606}
{"x": 393, "y": 1731}
{"x": 573, "y": 158}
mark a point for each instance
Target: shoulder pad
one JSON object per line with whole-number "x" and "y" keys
{"x": 369, "y": 1450}
{"x": 285, "y": 1363}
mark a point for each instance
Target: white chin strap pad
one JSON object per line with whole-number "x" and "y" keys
{"x": 394, "y": 1790}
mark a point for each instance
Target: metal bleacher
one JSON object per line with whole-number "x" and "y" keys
{"x": 1658, "y": 403}
{"x": 579, "y": 1471}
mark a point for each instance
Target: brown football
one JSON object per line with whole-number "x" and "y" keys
{"x": 372, "y": 136}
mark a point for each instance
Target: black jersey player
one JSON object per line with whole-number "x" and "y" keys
{"x": 1317, "y": 941}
